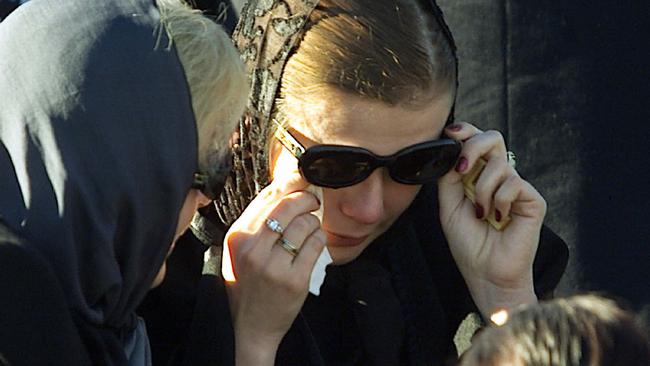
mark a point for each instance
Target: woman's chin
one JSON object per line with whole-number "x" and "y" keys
{"x": 342, "y": 254}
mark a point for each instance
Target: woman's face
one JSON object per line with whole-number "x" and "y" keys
{"x": 354, "y": 216}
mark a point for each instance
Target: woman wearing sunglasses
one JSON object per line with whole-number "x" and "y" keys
{"x": 353, "y": 100}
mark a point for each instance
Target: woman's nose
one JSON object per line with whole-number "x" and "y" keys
{"x": 364, "y": 202}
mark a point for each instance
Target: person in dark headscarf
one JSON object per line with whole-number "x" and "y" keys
{"x": 351, "y": 110}
{"x": 115, "y": 119}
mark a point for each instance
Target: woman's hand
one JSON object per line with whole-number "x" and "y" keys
{"x": 272, "y": 284}
{"x": 497, "y": 265}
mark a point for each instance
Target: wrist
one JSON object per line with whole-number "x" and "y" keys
{"x": 255, "y": 350}
{"x": 491, "y": 298}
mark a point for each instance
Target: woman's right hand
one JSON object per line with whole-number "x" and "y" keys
{"x": 271, "y": 284}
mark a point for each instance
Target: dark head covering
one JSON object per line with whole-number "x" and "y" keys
{"x": 98, "y": 147}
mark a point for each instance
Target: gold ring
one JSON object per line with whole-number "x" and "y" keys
{"x": 288, "y": 246}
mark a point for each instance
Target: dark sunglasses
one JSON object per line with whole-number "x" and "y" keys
{"x": 212, "y": 184}
{"x": 337, "y": 166}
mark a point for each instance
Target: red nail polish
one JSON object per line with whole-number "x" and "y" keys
{"x": 455, "y": 127}
{"x": 462, "y": 165}
{"x": 497, "y": 215}
{"x": 479, "y": 211}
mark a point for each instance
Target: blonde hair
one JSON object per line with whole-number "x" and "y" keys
{"x": 215, "y": 75}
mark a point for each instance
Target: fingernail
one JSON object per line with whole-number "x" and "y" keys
{"x": 479, "y": 211}
{"x": 462, "y": 165}
{"x": 497, "y": 215}
{"x": 455, "y": 127}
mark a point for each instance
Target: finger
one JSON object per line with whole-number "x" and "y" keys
{"x": 287, "y": 209}
{"x": 461, "y": 131}
{"x": 290, "y": 183}
{"x": 287, "y": 177}
{"x": 493, "y": 175}
{"x": 238, "y": 256}
{"x": 488, "y": 145}
{"x": 517, "y": 196}
{"x": 309, "y": 253}
{"x": 466, "y": 132}
{"x": 300, "y": 228}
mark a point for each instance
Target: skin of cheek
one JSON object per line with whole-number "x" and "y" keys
{"x": 340, "y": 215}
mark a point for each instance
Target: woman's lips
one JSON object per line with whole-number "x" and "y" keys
{"x": 338, "y": 240}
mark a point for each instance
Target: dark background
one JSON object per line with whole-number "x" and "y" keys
{"x": 567, "y": 82}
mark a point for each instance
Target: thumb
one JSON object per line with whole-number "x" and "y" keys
{"x": 286, "y": 179}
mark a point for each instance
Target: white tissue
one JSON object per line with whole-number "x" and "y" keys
{"x": 318, "y": 273}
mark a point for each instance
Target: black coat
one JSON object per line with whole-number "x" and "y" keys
{"x": 400, "y": 302}
{"x": 33, "y": 309}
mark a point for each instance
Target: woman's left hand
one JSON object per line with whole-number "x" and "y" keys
{"x": 497, "y": 265}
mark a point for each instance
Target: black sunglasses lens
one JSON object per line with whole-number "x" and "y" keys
{"x": 425, "y": 164}
{"x": 336, "y": 169}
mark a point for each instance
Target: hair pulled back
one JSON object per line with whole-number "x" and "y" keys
{"x": 394, "y": 51}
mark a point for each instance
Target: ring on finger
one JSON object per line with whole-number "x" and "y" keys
{"x": 288, "y": 246}
{"x": 274, "y": 225}
{"x": 512, "y": 159}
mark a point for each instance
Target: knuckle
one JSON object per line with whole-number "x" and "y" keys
{"x": 298, "y": 201}
{"x": 500, "y": 198}
{"x": 301, "y": 223}
{"x": 284, "y": 203}
{"x": 470, "y": 144}
{"x": 494, "y": 134}
{"x": 314, "y": 222}
{"x": 313, "y": 243}
{"x": 250, "y": 261}
{"x": 320, "y": 237}
{"x": 272, "y": 277}
{"x": 293, "y": 285}
{"x": 267, "y": 192}
{"x": 233, "y": 238}
{"x": 543, "y": 204}
{"x": 481, "y": 190}
{"x": 305, "y": 223}
{"x": 540, "y": 204}
{"x": 515, "y": 181}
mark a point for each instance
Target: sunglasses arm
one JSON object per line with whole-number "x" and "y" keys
{"x": 288, "y": 141}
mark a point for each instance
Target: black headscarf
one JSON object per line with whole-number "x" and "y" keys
{"x": 98, "y": 147}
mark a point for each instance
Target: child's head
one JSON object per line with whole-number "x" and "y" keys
{"x": 575, "y": 331}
